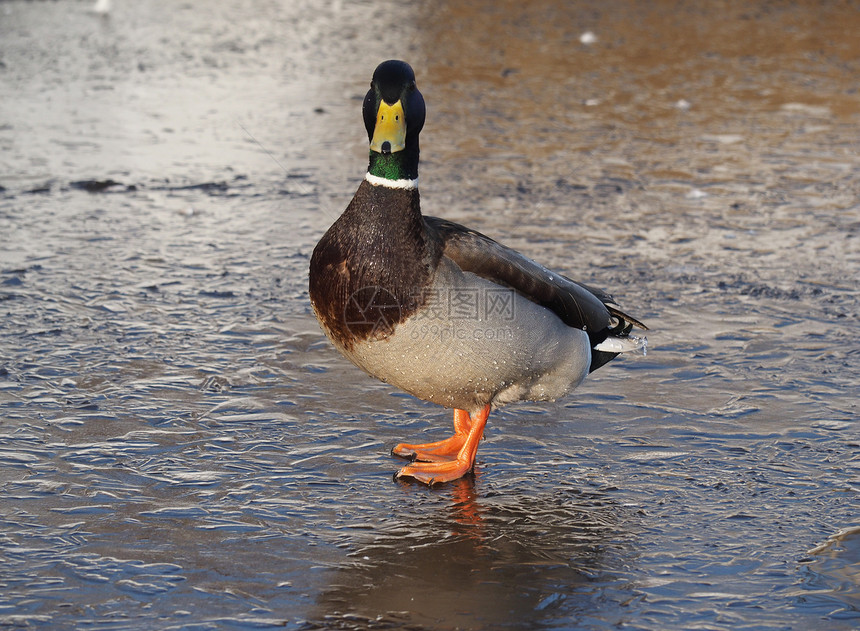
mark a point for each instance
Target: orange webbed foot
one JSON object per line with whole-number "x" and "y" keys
{"x": 431, "y": 452}
{"x": 442, "y": 450}
{"x": 440, "y": 463}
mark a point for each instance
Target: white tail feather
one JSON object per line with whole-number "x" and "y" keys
{"x": 624, "y": 344}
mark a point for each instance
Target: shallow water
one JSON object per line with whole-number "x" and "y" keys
{"x": 180, "y": 447}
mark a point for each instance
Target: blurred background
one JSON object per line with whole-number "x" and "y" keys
{"x": 181, "y": 448}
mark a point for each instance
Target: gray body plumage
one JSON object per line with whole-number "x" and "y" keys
{"x": 476, "y": 343}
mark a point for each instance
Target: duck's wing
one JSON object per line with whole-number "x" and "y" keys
{"x": 576, "y": 304}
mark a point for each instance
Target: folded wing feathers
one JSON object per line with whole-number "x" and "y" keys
{"x": 575, "y": 303}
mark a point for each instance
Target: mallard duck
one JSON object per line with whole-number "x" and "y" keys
{"x": 444, "y": 312}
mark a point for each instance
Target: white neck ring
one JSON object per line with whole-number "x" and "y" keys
{"x": 381, "y": 181}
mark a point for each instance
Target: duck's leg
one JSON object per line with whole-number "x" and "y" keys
{"x": 441, "y": 450}
{"x": 457, "y": 466}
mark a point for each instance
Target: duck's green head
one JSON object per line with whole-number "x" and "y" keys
{"x": 393, "y": 115}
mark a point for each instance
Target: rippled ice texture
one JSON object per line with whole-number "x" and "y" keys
{"x": 181, "y": 448}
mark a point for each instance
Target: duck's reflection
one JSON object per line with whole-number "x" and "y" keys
{"x": 493, "y": 558}
{"x": 465, "y": 512}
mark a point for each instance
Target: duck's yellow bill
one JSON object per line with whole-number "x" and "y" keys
{"x": 389, "y": 134}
